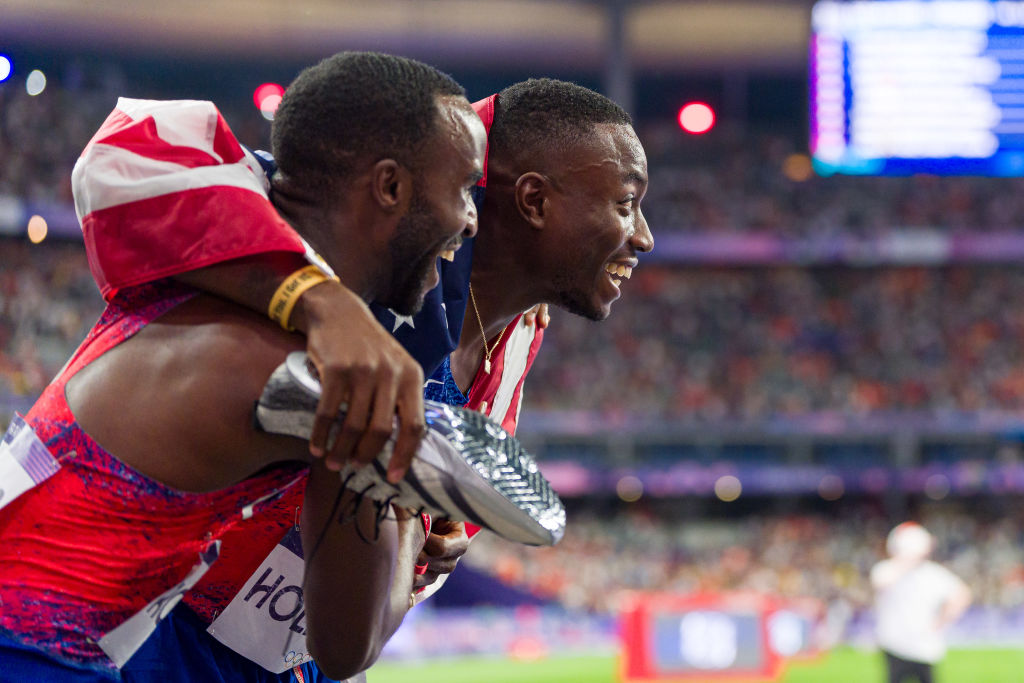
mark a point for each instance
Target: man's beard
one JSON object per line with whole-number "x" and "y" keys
{"x": 575, "y": 300}
{"x": 406, "y": 296}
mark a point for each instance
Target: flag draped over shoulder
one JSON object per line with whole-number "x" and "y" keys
{"x": 165, "y": 187}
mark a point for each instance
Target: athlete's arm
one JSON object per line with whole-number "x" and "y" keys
{"x": 359, "y": 573}
{"x": 359, "y": 363}
{"x": 956, "y": 604}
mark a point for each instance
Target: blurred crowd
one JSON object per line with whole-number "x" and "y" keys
{"x": 694, "y": 345}
{"x": 41, "y": 137}
{"x": 706, "y": 344}
{"x": 797, "y": 555}
{"x": 48, "y": 302}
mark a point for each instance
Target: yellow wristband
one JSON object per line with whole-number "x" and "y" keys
{"x": 283, "y": 301}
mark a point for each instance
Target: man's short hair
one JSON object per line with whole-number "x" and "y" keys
{"x": 353, "y": 107}
{"x": 541, "y": 114}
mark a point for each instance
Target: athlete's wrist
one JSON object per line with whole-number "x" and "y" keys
{"x": 323, "y": 301}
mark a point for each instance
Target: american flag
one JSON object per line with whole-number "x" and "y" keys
{"x": 165, "y": 187}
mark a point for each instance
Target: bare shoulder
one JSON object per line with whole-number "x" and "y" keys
{"x": 222, "y": 343}
{"x": 175, "y": 401}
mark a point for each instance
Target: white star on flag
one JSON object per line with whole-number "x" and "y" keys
{"x": 401, "y": 320}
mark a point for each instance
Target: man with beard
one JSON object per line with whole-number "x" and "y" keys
{"x": 142, "y": 467}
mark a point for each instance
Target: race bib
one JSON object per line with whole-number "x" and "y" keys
{"x": 121, "y": 643}
{"x": 25, "y": 461}
{"x": 265, "y": 622}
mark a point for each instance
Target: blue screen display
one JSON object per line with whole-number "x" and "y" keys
{"x": 707, "y": 640}
{"x": 917, "y": 86}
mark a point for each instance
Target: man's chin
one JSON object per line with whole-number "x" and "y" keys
{"x": 601, "y": 308}
{"x": 410, "y": 299}
{"x": 599, "y": 314}
{"x": 595, "y": 310}
{"x": 404, "y": 303}
{"x": 407, "y": 307}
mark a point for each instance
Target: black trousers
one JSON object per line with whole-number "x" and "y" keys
{"x": 904, "y": 670}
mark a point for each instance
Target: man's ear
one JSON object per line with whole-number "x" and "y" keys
{"x": 532, "y": 196}
{"x": 391, "y": 185}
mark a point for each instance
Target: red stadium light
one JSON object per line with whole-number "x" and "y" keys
{"x": 266, "y": 98}
{"x": 696, "y": 118}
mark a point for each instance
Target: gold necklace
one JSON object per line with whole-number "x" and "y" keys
{"x": 483, "y": 333}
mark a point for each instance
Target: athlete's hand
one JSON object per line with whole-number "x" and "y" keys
{"x": 537, "y": 315}
{"x": 446, "y": 543}
{"x": 363, "y": 366}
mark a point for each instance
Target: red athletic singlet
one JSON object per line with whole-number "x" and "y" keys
{"x": 97, "y": 543}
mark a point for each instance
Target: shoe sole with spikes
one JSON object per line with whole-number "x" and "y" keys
{"x": 467, "y": 467}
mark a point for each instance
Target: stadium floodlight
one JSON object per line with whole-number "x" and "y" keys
{"x": 267, "y": 97}
{"x": 696, "y": 117}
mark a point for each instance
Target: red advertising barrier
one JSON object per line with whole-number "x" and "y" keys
{"x": 727, "y": 638}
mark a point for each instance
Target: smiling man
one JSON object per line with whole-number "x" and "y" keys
{"x": 560, "y": 224}
{"x": 145, "y": 475}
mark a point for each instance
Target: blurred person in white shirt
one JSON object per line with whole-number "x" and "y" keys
{"x": 915, "y": 601}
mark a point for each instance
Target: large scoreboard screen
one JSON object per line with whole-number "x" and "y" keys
{"x": 917, "y": 86}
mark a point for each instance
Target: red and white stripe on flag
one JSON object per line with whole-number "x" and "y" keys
{"x": 165, "y": 187}
{"x": 499, "y": 394}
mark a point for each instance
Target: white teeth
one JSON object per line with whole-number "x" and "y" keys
{"x": 616, "y": 281}
{"x": 448, "y": 254}
{"x": 622, "y": 271}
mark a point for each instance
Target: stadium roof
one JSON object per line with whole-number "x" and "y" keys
{"x": 671, "y": 35}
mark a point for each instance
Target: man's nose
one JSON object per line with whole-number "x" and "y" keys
{"x": 471, "y": 223}
{"x": 642, "y": 239}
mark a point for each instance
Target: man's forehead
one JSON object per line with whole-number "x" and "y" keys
{"x": 457, "y": 113}
{"x": 460, "y": 125}
{"x": 612, "y": 148}
{"x": 624, "y": 140}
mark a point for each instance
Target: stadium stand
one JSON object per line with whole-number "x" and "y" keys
{"x": 784, "y": 361}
